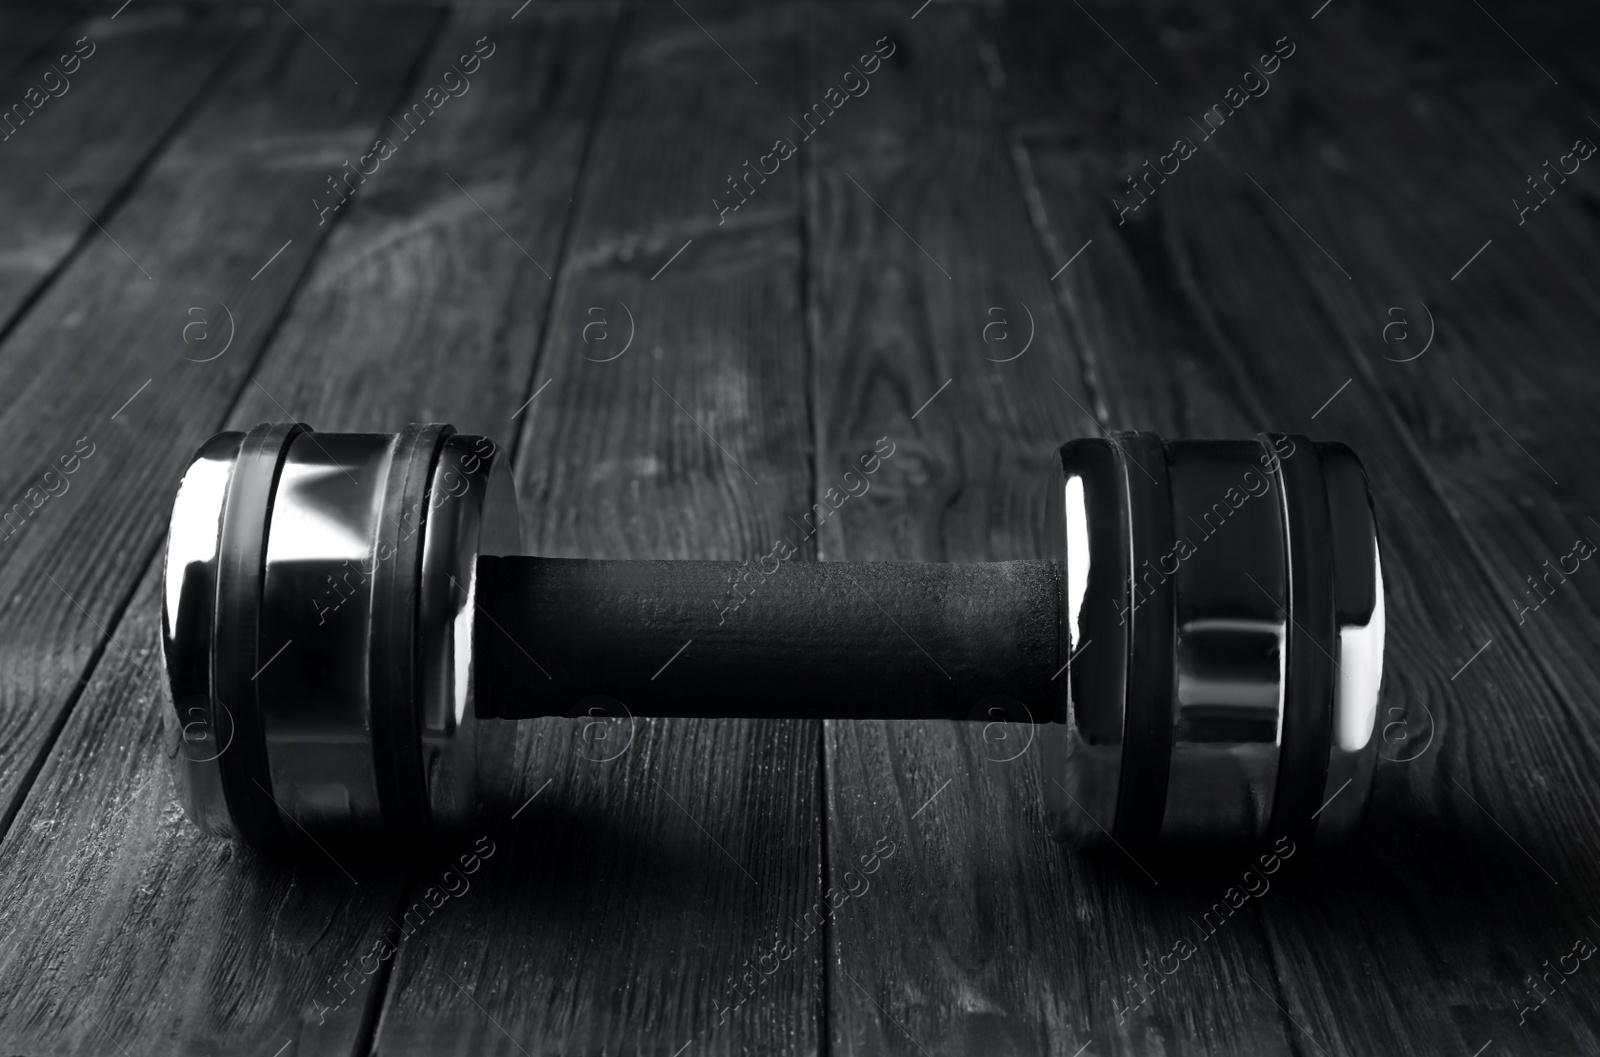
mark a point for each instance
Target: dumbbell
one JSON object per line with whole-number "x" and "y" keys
{"x": 347, "y": 615}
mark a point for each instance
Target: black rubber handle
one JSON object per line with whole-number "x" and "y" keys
{"x": 792, "y": 639}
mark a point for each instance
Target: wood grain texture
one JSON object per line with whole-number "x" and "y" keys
{"x": 1257, "y": 327}
{"x": 984, "y": 935}
{"x": 223, "y": 196}
{"x": 66, "y": 163}
{"x": 123, "y": 928}
{"x": 660, "y": 859}
{"x": 909, "y": 242}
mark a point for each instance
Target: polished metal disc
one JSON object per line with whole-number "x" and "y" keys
{"x": 317, "y": 628}
{"x": 1223, "y": 615}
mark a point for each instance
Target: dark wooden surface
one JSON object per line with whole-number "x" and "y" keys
{"x": 844, "y": 302}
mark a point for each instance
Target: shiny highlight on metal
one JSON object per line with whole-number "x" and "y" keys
{"x": 1223, "y": 612}
{"x": 1214, "y": 628}
{"x": 317, "y": 630}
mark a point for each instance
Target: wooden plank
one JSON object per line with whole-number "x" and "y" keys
{"x": 204, "y": 218}
{"x": 1261, "y": 328}
{"x": 126, "y": 929}
{"x": 123, "y": 928}
{"x": 1486, "y": 426}
{"x": 981, "y": 934}
{"x": 69, "y": 158}
{"x": 1499, "y": 438}
{"x": 654, "y": 864}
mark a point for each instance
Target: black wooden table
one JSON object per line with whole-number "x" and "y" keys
{"x": 1000, "y": 227}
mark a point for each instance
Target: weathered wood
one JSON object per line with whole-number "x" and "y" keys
{"x": 126, "y": 928}
{"x": 1394, "y": 136}
{"x": 63, "y": 166}
{"x": 1494, "y": 436}
{"x": 1257, "y": 327}
{"x": 658, "y": 858}
{"x": 1491, "y": 430}
{"x": 984, "y": 935}
{"x": 203, "y": 219}
{"x": 123, "y": 928}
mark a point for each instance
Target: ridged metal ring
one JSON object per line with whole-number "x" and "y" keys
{"x": 1223, "y": 616}
{"x": 317, "y": 630}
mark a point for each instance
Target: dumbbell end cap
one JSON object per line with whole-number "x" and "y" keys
{"x": 316, "y": 628}
{"x": 1220, "y": 690}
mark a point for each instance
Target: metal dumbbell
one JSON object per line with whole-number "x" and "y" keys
{"x": 346, "y": 614}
